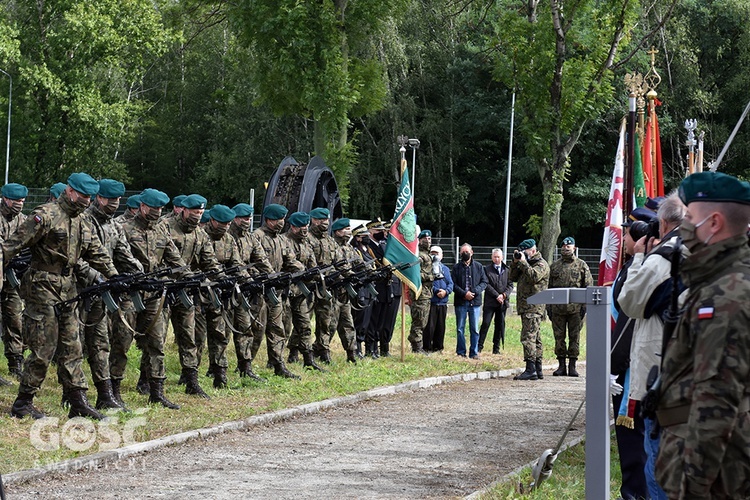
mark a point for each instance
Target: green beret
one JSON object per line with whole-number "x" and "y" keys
{"x": 205, "y": 217}
{"x": 134, "y": 201}
{"x": 177, "y": 200}
{"x": 194, "y": 201}
{"x": 57, "y": 189}
{"x": 15, "y": 191}
{"x": 299, "y": 219}
{"x": 83, "y": 183}
{"x": 275, "y": 211}
{"x": 319, "y": 213}
{"x": 110, "y": 188}
{"x": 716, "y": 187}
{"x": 222, "y": 213}
{"x": 243, "y": 210}
{"x": 340, "y": 224}
{"x": 154, "y": 198}
{"x": 424, "y": 234}
{"x": 569, "y": 241}
{"x": 526, "y": 244}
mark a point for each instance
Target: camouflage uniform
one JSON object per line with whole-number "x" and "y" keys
{"x": 705, "y": 396}
{"x": 342, "y": 320}
{"x": 58, "y": 237}
{"x": 281, "y": 256}
{"x": 96, "y": 325}
{"x": 152, "y": 245}
{"x": 300, "y": 337}
{"x": 124, "y": 217}
{"x": 420, "y": 307}
{"x": 532, "y": 276}
{"x": 568, "y": 272}
{"x": 246, "y": 322}
{"x": 12, "y": 305}
{"x": 324, "y": 247}
{"x": 197, "y": 252}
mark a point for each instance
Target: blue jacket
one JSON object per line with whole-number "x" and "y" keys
{"x": 477, "y": 283}
{"x": 444, "y": 283}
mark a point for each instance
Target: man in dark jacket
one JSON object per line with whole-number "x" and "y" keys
{"x": 469, "y": 281}
{"x": 499, "y": 288}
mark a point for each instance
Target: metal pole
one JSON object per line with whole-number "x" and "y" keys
{"x": 414, "y": 145}
{"x": 252, "y": 204}
{"x": 507, "y": 184}
{"x": 7, "y": 144}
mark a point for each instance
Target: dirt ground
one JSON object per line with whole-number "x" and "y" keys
{"x": 445, "y": 441}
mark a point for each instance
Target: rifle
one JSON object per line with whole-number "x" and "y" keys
{"x": 17, "y": 267}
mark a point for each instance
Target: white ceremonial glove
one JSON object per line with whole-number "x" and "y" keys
{"x": 615, "y": 389}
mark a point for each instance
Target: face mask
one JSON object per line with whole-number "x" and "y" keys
{"x": 436, "y": 258}
{"x": 153, "y": 214}
{"x": 566, "y": 252}
{"x": 14, "y": 209}
{"x": 109, "y": 209}
{"x": 379, "y": 236}
{"x": 219, "y": 231}
{"x": 465, "y": 256}
{"x": 192, "y": 220}
{"x": 689, "y": 238}
{"x": 244, "y": 225}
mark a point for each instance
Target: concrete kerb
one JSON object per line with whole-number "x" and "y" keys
{"x": 99, "y": 459}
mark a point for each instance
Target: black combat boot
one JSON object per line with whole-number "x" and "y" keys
{"x": 351, "y": 356}
{"x": 280, "y": 370}
{"x": 562, "y": 370}
{"x": 80, "y": 407}
{"x": 220, "y": 377}
{"x": 157, "y": 394}
{"x": 15, "y": 366}
{"x": 116, "y": 394}
{"x": 416, "y": 347}
{"x": 211, "y": 372}
{"x": 192, "y": 386}
{"x": 293, "y": 355}
{"x": 246, "y": 370}
{"x": 105, "y": 399}
{"x": 539, "y": 372}
{"x": 309, "y": 361}
{"x": 572, "y": 368}
{"x": 325, "y": 357}
{"x": 23, "y": 406}
{"x": 385, "y": 350}
{"x": 142, "y": 385}
{"x": 529, "y": 373}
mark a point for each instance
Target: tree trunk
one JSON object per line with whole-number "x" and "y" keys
{"x": 552, "y": 185}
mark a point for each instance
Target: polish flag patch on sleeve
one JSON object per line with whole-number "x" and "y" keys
{"x": 705, "y": 313}
{"x": 37, "y": 218}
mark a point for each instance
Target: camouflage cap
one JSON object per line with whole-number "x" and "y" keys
{"x": 57, "y": 189}
{"x": 15, "y": 191}
{"x": 242, "y": 210}
{"x": 526, "y": 244}
{"x": 83, "y": 183}
{"x": 222, "y": 213}
{"x": 110, "y": 188}
{"x": 569, "y": 240}
{"x": 424, "y": 233}
{"x": 177, "y": 200}
{"x": 194, "y": 201}
{"x": 319, "y": 213}
{"x": 134, "y": 201}
{"x": 154, "y": 198}
{"x": 299, "y": 219}
{"x": 714, "y": 186}
{"x": 274, "y": 211}
{"x": 340, "y": 224}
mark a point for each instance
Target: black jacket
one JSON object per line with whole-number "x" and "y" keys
{"x": 496, "y": 284}
{"x": 478, "y": 282}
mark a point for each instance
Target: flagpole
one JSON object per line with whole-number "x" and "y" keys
{"x": 405, "y": 290}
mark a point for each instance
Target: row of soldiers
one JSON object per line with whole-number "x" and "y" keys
{"x": 76, "y": 243}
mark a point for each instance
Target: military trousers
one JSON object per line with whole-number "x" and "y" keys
{"x": 342, "y": 322}
{"x": 12, "y": 316}
{"x": 273, "y": 332}
{"x": 244, "y": 324}
{"x": 572, "y": 323}
{"x": 201, "y": 332}
{"x": 217, "y": 335}
{"x": 531, "y": 337}
{"x": 301, "y": 337}
{"x": 183, "y": 325}
{"x": 420, "y": 312}
{"x": 96, "y": 329}
{"x": 149, "y": 331}
{"x": 323, "y": 312}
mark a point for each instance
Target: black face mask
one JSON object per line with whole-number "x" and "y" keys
{"x": 465, "y": 256}
{"x": 379, "y": 236}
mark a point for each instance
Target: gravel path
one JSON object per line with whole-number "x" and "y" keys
{"x": 444, "y": 441}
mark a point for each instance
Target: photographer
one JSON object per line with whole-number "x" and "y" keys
{"x": 442, "y": 287}
{"x": 645, "y": 298}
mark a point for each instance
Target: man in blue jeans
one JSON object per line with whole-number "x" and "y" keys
{"x": 469, "y": 281}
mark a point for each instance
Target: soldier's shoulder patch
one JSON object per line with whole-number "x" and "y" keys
{"x": 705, "y": 312}
{"x": 38, "y": 218}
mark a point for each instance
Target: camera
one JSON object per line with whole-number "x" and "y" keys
{"x": 639, "y": 229}
{"x": 517, "y": 254}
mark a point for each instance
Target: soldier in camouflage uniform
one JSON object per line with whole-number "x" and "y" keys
{"x": 96, "y": 331}
{"x": 282, "y": 258}
{"x": 150, "y": 243}
{"x": 531, "y": 272}
{"x": 245, "y": 323}
{"x": 705, "y": 380}
{"x": 568, "y": 272}
{"x": 133, "y": 203}
{"x": 420, "y": 306}
{"x": 300, "y": 339}
{"x": 11, "y": 218}
{"x": 342, "y": 320}
{"x": 324, "y": 247}
{"x": 58, "y": 237}
{"x": 197, "y": 251}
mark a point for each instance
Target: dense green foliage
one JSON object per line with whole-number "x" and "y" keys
{"x": 209, "y": 97}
